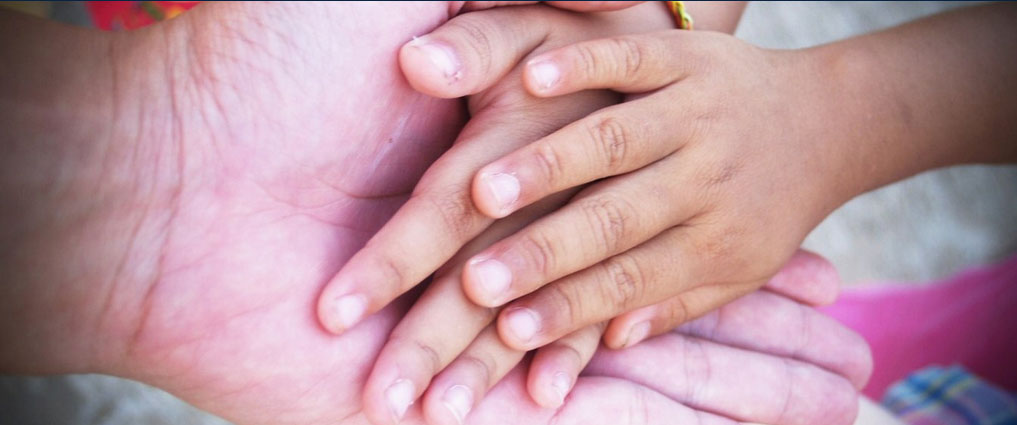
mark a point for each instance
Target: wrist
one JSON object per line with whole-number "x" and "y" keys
{"x": 855, "y": 124}
{"x": 80, "y": 230}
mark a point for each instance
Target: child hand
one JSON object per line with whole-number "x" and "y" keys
{"x": 703, "y": 183}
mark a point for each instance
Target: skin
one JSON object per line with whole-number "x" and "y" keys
{"x": 693, "y": 188}
{"x": 711, "y": 172}
{"x": 420, "y": 350}
{"x": 177, "y": 200}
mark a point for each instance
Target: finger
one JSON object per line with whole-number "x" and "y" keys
{"x": 767, "y": 322}
{"x": 629, "y": 63}
{"x": 441, "y": 324}
{"x": 745, "y": 385}
{"x": 594, "y": 401}
{"x": 575, "y": 6}
{"x": 606, "y": 219}
{"x": 393, "y": 261}
{"x": 609, "y": 142}
{"x": 471, "y": 52}
{"x": 605, "y": 400}
{"x": 456, "y": 390}
{"x": 666, "y": 265}
{"x": 806, "y": 277}
{"x": 556, "y": 366}
{"x": 761, "y": 321}
{"x": 633, "y": 327}
{"x": 419, "y": 347}
{"x": 439, "y": 218}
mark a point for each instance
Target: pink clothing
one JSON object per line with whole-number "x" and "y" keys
{"x": 968, "y": 319}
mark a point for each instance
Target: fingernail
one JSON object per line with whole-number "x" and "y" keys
{"x": 561, "y": 383}
{"x": 399, "y": 396}
{"x": 504, "y": 188}
{"x": 459, "y": 400}
{"x": 441, "y": 56}
{"x": 493, "y": 277}
{"x": 638, "y": 333}
{"x": 546, "y": 74}
{"x": 524, "y": 323}
{"x": 350, "y": 309}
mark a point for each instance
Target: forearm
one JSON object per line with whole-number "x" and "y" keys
{"x": 933, "y": 93}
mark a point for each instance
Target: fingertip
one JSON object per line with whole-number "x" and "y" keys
{"x": 387, "y": 403}
{"x": 448, "y": 405}
{"x": 485, "y": 281}
{"x": 542, "y": 76}
{"x": 615, "y": 334}
{"x": 860, "y": 362}
{"x": 630, "y": 328}
{"x": 550, "y": 379}
{"x": 338, "y": 313}
{"x": 550, "y": 389}
{"x": 518, "y": 328}
{"x": 827, "y": 280}
{"x": 495, "y": 193}
{"x": 809, "y": 278}
{"x": 637, "y": 333}
{"x": 431, "y": 67}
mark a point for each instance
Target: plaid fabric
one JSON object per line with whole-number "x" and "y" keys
{"x": 950, "y": 396}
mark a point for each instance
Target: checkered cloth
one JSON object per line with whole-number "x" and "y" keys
{"x": 950, "y": 396}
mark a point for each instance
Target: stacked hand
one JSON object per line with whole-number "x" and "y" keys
{"x": 447, "y": 349}
{"x": 267, "y": 151}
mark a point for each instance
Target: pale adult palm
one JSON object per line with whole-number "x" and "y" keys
{"x": 281, "y": 137}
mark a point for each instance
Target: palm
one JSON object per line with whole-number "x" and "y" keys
{"x": 309, "y": 162}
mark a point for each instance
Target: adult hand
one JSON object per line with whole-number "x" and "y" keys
{"x": 445, "y": 337}
{"x": 245, "y": 197}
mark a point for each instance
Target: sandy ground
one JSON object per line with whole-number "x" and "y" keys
{"x": 926, "y": 227}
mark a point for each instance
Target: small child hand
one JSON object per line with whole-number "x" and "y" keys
{"x": 709, "y": 179}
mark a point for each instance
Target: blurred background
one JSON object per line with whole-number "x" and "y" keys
{"x": 922, "y": 229}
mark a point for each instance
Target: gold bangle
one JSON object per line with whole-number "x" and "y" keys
{"x": 681, "y": 17}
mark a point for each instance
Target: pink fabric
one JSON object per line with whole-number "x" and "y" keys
{"x": 968, "y": 319}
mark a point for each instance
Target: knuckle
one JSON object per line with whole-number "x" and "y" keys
{"x": 569, "y": 349}
{"x": 549, "y": 162}
{"x": 589, "y": 59}
{"x": 722, "y": 175}
{"x": 474, "y": 38}
{"x": 841, "y": 398}
{"x": 625, "y": 280}
{"x": 419, "y": 348}
{"x": 483, "y": 366}
{"x": 677, "y": 312}
{"x": 639, "y": 412}
{"x": 611, "y": 137}
{"x": 609, "y": 220}
{"x": 720, "y": 247}
{"x": 630, "y": 56}
{"x": 395, "y": 272}
{"x": 566, "y": 303}
{"x": 455, "y": 210}
{"x": 695, "y": 353}
{"x": 540, "y": 252}
{"x": 618, "y": 58}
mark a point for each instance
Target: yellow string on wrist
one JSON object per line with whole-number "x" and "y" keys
{"x": 681, "y": 17}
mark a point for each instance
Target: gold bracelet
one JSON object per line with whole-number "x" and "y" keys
{"x": 681, "y": 17}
